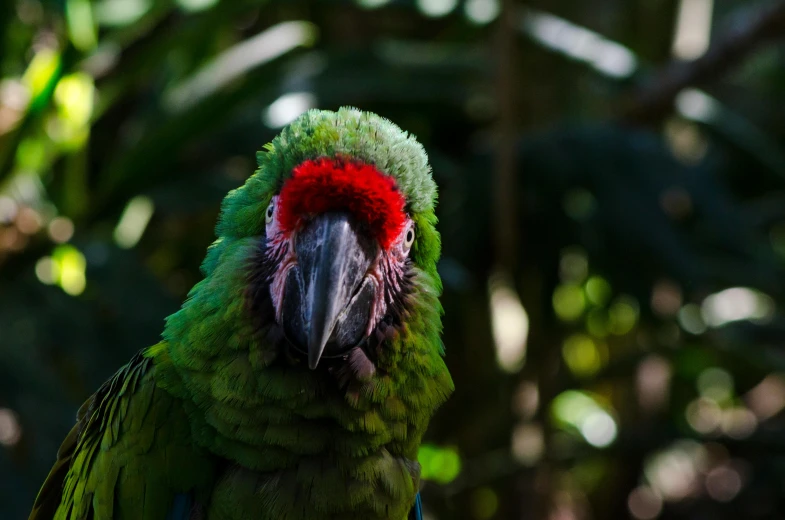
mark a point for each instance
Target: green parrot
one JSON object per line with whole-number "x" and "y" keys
{"x": 297, "y": 379}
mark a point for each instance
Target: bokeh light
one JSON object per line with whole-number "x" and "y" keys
{"x": 484, "y": 503}
{"x": 673, "y": 473}
{"x": 715, "y": 384}
{"x": 482, "y": 11}
{"x": 579, "y": 43}
{"x": 41, "y": 73}
{"x": 69, "y": 268}
{"x": 196, "y": 5}
{"x": 704, "y": 416}
{"x": 509, "y": 321}
{"x": 735, "y": 304}
{"x": 653, "y": 382}
{"x": 133, "y": 221}
{"x": 8, "y": 209}
{"x": 74, "y": 97}
{"x": 120, "y": 13}
{"x": 644, "y": 503}
{"x": 623, "y": 313}
{"x": 436, "y": 8}
{"x": 528, "y": 443}
{"x": 738, "y": 423}
{"x": 767, "y": 398}
{"x": 372, "y": 4}
{"x": 693, "y": 28}
{"x": 439, "y": 464}
{"x": 599, "y": 429}
{"x": 286, "y": 108}
{"x": 10, "y": 429}
{"x": 569, "y": 302}
{"x": 81, "y": 24}
{"x": 573, "y": 265}
{"x": 28, "y": 221}
{"x": 691, "y": 319}
{"x": 61, "y": 229}
{"x": 582, "y": 411}
{"x": 666, "y": 298}
{"x": 723, "y": 483}
{"x": 598, "y": 290}
{"x": 583, "y": 355}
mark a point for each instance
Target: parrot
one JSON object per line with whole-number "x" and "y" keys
{"x": 297, "y": 379}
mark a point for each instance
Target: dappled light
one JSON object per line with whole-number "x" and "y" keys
{"x": 582, "y": 412}
{"x": 579, "y": 43}
{"x": 436, "y": 8}
{"x": 644, "y": 503}
{"x": 440, "y": 464}
{"x": 610, "y": 210}
{"x": 482, "y": 11}
{"x": 286, "y": 108}
{"x": 133, "y": 221}
{"x": 10, "y": 430}
{"x": 693, "y": 28}
{"x": 734, "y": 304}
{"x": 510, "y": 323}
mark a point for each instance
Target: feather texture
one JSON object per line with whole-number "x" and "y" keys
{"x": 220, "y": 421}
{"x": 128, "y": 455}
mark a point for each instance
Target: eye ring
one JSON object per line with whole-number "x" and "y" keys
{"x": 408, "y": 239}
{"x": 268, "y": 215}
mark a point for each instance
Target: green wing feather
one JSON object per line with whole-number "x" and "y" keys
{"x": 128, "y": 455}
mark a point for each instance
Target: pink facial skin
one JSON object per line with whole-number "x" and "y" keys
{"x": 386, "y": 272}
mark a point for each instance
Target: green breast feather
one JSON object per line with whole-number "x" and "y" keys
{"x": 222, "y": 410}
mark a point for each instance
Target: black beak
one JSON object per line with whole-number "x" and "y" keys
{"x": 327, "y": 298}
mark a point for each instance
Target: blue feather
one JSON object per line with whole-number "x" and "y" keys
{"x": 181, "y": 507}
{"x": 416, "y": 512}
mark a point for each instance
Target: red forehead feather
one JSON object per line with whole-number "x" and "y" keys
{"x": 326, "y": 184}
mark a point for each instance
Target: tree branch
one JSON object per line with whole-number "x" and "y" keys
{"x": 760, "y": 27}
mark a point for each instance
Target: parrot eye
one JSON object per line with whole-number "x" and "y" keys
{"x": 408, "y": 240}
{"x": 268, "y": 216}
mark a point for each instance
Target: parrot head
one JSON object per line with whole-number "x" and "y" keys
{"x": 338, "y": 237}
{"x": 332, "y": 243}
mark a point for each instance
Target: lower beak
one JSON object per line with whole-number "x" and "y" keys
{"x": 327, "y": 298}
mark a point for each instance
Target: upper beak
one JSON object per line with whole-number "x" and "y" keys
{"x": 327, "y": 299}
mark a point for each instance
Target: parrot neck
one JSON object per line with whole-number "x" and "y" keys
{"x": 265, "y": 412}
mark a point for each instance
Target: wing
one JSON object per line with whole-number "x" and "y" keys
{"x": 130, "y": 454}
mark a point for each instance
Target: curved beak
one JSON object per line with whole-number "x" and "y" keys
{"x": 327, "y": 298}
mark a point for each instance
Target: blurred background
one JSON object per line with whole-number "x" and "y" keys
{"x": 612, "y": 209}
